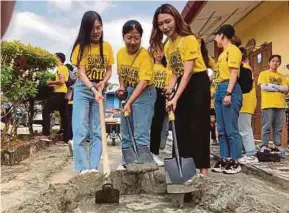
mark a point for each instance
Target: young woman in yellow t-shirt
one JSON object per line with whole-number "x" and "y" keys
{"x": 161, "y": 78}
{"x": 93, "y": 58}
{"x": 191, "y": 101}
{"x": 245, "y": 117}
{"x": 273, "y": 88}
{"x": 135, "y": 70}
{"x": 228, "y": 102}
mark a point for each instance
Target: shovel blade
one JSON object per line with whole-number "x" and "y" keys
{"x": 129, "y": 156}
{"x": 144, "y": 155}
{"x": 107, "y": 195}
{"x": 172, "y": 173}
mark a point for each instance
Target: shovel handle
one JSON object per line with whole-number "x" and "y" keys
{"x": 130, "y": 131}
{"x": 106, "y": 167}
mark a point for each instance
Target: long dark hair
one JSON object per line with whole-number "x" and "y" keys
{"x": 83, "y": 38}
{"x": 205, "y": 53}
{"x": 182, "y": 28}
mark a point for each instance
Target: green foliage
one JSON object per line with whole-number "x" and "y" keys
{"x": 24, "y": 70}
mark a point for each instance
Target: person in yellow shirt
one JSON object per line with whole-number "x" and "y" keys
{"x": 161, "y": 78}
{"x": 68, "y": 134}
{"x": 191, "y": 101}
{"x": 228, "y": 102}
{"x": 245, "y": 117}
{"x": 93, "y": 58}
{"x": 135, "y": 70}
{"x": 57, "y": 101}
{"x": 273, "y": 88}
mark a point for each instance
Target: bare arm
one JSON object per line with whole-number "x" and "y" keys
{"x": 61, "y": 81}
{"x": 83, "y": 77}
{"x": 173, "y": 81}
{"x": 233, "y": 79}
{"x": 107, "y": 74}
{"x": 121, "y": 83}
{"x": 142, "y": 85}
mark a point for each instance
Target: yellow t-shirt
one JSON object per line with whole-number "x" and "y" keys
{"x": 61, "y": 70}
{"x": 161, "y": 76}
{"x": 183, "y": 49}
{"x": 92, "y": 61}
{"x": 249, "y": 99}
{"x": 229, "y": 58}
{"x": 213, "y": 92}
{"x": 272, "y": 99}
{"x": 134, "y": 68}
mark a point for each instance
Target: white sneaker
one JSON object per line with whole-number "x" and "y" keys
{"x": 84, "y": 172}
{"x": 93, "y": 171}
{"x": 157, "y": 159}
{"x": 248, "y": 160}
{"x": 120, "y": 168}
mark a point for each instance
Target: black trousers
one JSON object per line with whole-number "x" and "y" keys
{"x": 56, "y": 102}
{"x": 193, "y": 120}
{"x": 67, "y": 135}
{"x": 157, "y": 122}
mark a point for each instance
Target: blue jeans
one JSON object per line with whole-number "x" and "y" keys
{"x": 246, "y": 133}
{"x": 85, "y": 123}
{"x": 272, "y": 117}
{"x": 141, "y": 118}
{"x": 227, "y": 121}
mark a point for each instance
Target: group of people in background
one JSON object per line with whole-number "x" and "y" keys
{"x": 171, "y": 75}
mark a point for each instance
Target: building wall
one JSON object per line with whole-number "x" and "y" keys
{"x": 268, "y": 22}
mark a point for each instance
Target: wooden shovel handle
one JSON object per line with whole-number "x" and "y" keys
{"x": 106, "y": 167}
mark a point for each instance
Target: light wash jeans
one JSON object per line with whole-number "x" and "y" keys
{"x": 141, "y": 118}
{"x": 227, "y": 121}
{"x": 165, "y": 132}
{"x": 246, "y": 132}
{"x": 272, "y": 117}
{"x": 85, "y": 123}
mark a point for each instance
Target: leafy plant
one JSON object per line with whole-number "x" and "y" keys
{"x": 24, "y": 71}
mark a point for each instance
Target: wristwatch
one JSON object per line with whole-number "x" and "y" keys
{"x": 228, "y": 93}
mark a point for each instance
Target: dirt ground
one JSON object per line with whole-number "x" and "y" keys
{"x": 34, "y": 179}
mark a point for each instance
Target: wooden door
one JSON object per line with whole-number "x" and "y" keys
{"x": 258, "y": 60}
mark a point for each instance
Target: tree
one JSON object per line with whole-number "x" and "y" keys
{"x": 24, "y": 71}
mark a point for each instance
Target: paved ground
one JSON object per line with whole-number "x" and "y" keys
{"x": 53, "y": 165}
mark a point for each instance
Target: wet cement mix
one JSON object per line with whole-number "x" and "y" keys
{"x": 46, "y": 183}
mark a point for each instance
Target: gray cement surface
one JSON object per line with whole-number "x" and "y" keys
{"x": 46, "y": 182}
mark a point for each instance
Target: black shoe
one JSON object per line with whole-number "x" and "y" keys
{"x": 233, "y": 167}
{"x": 220, "y": 165}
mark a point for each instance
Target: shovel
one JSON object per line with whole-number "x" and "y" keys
{"x": 136, "y": 154}
{"x": 107, "y": 194}
{"x": 178, "y": 170}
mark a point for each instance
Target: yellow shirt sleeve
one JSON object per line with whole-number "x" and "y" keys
{"x": 146, "y": 67}
{"x": 262, "y": 79}
{"x": 74, "y": 58}
{"x": 234, "y": 58}
{"x": 110, "y": 60}
{"x": 191, "y": 47}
